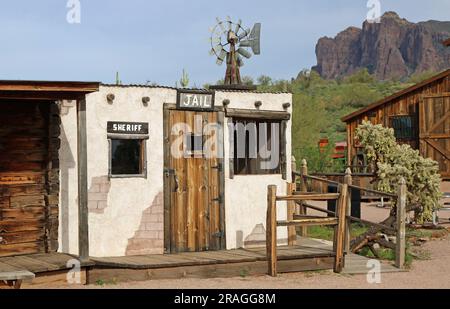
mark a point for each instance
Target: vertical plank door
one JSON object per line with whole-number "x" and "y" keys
{"x": 195, "y": 216}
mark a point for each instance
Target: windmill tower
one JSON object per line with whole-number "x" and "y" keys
{"x": 229, "y": 42}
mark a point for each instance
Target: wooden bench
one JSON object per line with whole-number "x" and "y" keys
{"x": 14, "y": 279}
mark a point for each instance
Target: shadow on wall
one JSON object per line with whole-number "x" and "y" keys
{"x": 67, "y": 162}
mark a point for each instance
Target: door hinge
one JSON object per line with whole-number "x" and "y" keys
{"x": 219, "y": 167}
{"x": 219, "y": 199}
{"x": 219, "y": 234}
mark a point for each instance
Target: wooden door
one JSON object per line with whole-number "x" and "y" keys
{"x": 193, "y": 184}
{"x": 23, "y": 165}
{"x": 434, "y": 121}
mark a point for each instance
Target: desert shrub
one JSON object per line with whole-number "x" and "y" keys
{"x": 393, "y": 161}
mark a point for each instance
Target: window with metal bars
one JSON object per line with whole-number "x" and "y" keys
{"x": 405, "y": 127}
{"x": 257, "y": 141}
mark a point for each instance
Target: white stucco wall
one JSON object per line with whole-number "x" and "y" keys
{"x": 246, "y": 196}
{"x": 128, "y": 199}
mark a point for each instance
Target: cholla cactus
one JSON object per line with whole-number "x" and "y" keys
{"x": 394, "y": 161}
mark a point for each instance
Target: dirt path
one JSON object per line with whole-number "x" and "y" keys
{"x": 432, "y": 273}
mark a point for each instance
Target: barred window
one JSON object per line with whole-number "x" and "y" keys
{"x": 405, "y": 127}
{"x": 256, "y": 142}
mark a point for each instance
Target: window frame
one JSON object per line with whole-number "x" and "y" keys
{"x": 143, "y": 158}
{"x": 259, "y": 172}
{"x": 414, "y": 127}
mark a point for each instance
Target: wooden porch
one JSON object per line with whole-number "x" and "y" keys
{"x": 52, "y": 269}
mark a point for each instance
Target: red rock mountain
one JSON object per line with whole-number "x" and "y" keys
{"x": 393, "y": 48}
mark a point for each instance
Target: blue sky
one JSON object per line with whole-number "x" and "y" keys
{"x": 153, "y": 40}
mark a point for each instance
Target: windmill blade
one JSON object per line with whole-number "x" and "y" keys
{"x": 230, "y": 23}
{"x": 220, "y": 23}
{"x": 240, "y": 62}
{"x": 238, "y": 26}
{"x": 246, "y": 43}
{"x": 244, "y": 53}
{"x": 243, "y": 34}
{"x": 214, "y": 40}
{"x": 221, "y": 57}
{"x": 216, "y": 50}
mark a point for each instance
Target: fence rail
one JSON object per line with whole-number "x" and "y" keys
{"x": 339, "y": 222}
{"x": 297, "y": 216}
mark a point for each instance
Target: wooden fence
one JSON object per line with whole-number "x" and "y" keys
{"x": 339, "y": 222}
{"x": 297, "y": 205}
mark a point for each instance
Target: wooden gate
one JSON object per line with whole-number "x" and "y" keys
{"x": 434, "y": 126}
{"x": 194, "y": 203}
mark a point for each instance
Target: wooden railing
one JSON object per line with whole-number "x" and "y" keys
{"x": 339, "y": 222}
{"x": 400, "y": 227}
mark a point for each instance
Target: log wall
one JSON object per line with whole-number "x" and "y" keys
{"x": 29, "y": 177}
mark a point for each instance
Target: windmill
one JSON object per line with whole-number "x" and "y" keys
{"x": 230, "y": 42}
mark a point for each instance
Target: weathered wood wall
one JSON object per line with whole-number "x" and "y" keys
{"x": 406, "y": 104}
{"x": 29, "y": 177}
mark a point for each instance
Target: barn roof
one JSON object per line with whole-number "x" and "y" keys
{"x": 395, "y": 96}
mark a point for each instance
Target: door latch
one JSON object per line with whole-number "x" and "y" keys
{"x": 168, "y": 172}
{"x": 219, "y": 234}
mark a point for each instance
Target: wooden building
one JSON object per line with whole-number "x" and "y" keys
{"x": 420, "y": 117}
{"x": 29, "y": 164}
{"x": 92, "y": 170}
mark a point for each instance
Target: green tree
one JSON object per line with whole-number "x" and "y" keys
{"x": 264, "y": 80}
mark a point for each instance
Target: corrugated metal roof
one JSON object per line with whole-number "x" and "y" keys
{"x": 189, "y": 89}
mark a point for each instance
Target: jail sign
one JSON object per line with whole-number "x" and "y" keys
{"x": 127, "y": 127}
{"x": 195, "y": 100}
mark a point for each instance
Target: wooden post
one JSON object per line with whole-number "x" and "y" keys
{"x": 292, "y": 234}
{"x": 83, "y": 229}
{"x": 341, "y": 211}
{"x": 271, "y": 230}
{"x": 293, "y": 170}
{"x": 401, "y": 225}
{"x": 303, "y": 189}
{"x": 348, "y": 181}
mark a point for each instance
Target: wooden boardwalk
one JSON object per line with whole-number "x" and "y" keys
{"x": 211, "y": 264}
{"x": 38, "y": 263}
{"x": 308, "y": 255}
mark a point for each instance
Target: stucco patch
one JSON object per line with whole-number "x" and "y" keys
{"x": 149, "y": 238}
{"x": 98, "y": 194}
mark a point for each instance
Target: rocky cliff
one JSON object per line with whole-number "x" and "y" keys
{"x": 393, "y": 48}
